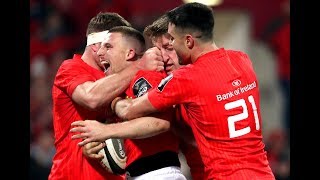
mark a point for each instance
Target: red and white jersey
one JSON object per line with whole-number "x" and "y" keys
{"x": 138, "y": 148}
{"x": 220, "y": 93}
{"x": 69, "y": 163}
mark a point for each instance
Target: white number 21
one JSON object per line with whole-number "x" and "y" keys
{"x": 238, "y": 117}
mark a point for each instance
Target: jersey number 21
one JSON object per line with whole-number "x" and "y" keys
{"x": 238, "y": 117}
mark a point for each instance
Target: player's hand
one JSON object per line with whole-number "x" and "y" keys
{"x": 91, "y": 150}
{"x": 89, "y": 131}
{"x": 151, "y": 60}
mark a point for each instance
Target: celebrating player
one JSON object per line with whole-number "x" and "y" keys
{"x": 81, "y": 91}
{"x": 146, "y": 158}
{"x": 157, "y": 34}
{"x": 220, "y": 93}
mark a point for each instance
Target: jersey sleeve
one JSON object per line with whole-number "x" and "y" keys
{"x": 176, "y": 88}
{"x": 70, "y": 75}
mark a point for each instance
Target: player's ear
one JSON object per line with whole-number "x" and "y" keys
{"x": 131, "y": 53}
{"x": 189, "y": 41}
{"x": 95, "y": 47}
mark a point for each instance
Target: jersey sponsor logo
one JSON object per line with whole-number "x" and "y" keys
{"x": 236, "y": 92}
{"x": 236, "y": 82}
{"x": 164, "y": 82}
{"x": 140, "y": 87}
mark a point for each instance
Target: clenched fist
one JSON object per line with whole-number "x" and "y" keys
{"x": 151, "y": 60}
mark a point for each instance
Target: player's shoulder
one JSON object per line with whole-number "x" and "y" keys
{"x": 144, "y": 81}
{"x": 186, "y": 73}
{"x": 153, "y": 77}
{"x": 74, "y": 61}
{"x": 72, "y": 64}
{"x": 239, "y": 56}
{"x": 149, "y": 74}
{"x": 66, "y": 64}
{"x": 237, "y": 52}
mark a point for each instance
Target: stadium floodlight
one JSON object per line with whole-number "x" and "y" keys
{"x": 206, "y": 2}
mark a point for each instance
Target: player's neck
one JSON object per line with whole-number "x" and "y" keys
{"x": 201, "y": 50}
{"x": 89, "y": 59}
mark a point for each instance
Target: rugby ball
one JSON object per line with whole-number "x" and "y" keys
{"x": 115, "y": 158}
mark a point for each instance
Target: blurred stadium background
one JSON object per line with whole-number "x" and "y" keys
{"x": 57, "y": 30}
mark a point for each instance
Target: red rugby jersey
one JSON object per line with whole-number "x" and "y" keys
{"x": 190, "y": 151}
{"x": 69, "y": 163}
{"x": 137, "y": 148}
{"x": 221, "y": 95}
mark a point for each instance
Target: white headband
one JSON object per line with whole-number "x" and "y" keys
{"x": 96, "y": 37}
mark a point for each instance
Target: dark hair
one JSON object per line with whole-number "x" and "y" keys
{"x": 195, "y": 17}
{"x": 105, "y": 21}
{"x": 130, "y": 32}
{"x": 157, "y": 28}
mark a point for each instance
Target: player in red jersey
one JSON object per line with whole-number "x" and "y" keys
{"x": 82, "y": 91}
{"x": 220, "y": 93}
{"x": 145, "y": 157}
{"x": 156, "y": 33}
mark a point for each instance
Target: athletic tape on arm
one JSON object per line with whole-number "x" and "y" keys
{"x": 96, "y": 37}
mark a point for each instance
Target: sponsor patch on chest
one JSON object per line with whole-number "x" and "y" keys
{"x": 140, "y": 87}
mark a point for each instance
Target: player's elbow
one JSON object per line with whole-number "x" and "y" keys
{"x": 162, "y": 125}
{"x": 129, "y": 114}
{"x": 125, "y": 114}
{"x": 130, "y": 109}
{"x": 124, "y": 110}
{"x": 93, "y": 103}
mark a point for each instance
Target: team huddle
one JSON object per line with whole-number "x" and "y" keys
{"x": 162, "y": 91}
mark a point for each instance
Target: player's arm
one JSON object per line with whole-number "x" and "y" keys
{"x": 132, "y": 108}
{"x": 101, "y": 92}
{"x": 139, "y": 128}
{"x": 153, "y": 100}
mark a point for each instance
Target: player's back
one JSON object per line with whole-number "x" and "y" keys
{"x": 224, "y": 107}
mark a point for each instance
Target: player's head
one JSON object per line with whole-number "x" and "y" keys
{"x": 190, "y": 26}
{"x": 98, "y": 28}
{"x": 157, "y": 34}
{"x": 104, "y": 21}
{"x": 120, "y": 48}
